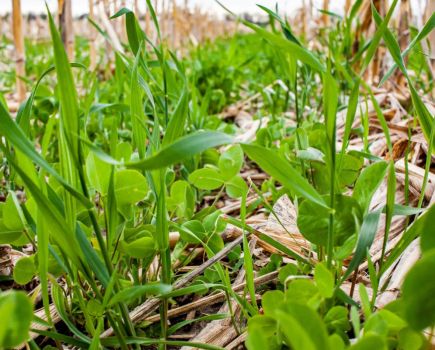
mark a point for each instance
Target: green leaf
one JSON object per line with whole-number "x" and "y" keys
{"x": 374, "y": 44}
{"x": 132, "y": 293}
{"x": 324, "y": 280}
{"x": 350, "y": 116}
{"x": 11, "y": 217}
{"x": 176, "y": 125}
{"x": 196, "y": 288}
{"x": 91, "y": 257}
{"x": 231, "y": 161}
{"x": 311, "y": 154}
{"x": 236, "y": 187}
{"x": 98, "y": 173}
{"x": 307, "y": 325}
{"x": 281, "y": 170}
{"x": 424, "y": 116}
{"x": 8, "y": 236}
{"x": 211, "y": 317}
{"x": 176, "y": 152}
{"x": 134, "y": 33}
{"x": 349, "y": 169}
{"x": 181, "y": 199}
{"x": 271, "y": 301}
{"x": 368, "y": 182}
{"x": 370, "y": 342}
{"x": 422, "y": 224}
{"x": 330, "y": 103}
{"x": 286, "y": 271}
{"x": 67, "y": 92}
{"x": 313, "y": 220}
{"x": 365, "y": 239}
{"x": 346, "y": 249}
{"x": 426, "y": 30}
{"x": 130, "y": 187}
{"x": 141, "y": 248}
{"x": 136, "y": 107}
{"x": 302, "y": 291}
{"x": 337, "y": 319}
{"x": 206, "y": 179}
{"x": 193, "y": 231}
{"x": 295, "y": 333}
{"x": 297, "y": 51}
{"x": 18, "y": 139}
{"x": 24, "y": 270}
{"x": 262, "y": 333}
{"x": 418, "y": 293}
{"x": 16, "y": 311}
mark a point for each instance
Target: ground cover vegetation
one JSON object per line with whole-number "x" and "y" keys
{"x": 255, "y": 192}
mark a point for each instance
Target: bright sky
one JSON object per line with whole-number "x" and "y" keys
{"x": 81, "y": 6}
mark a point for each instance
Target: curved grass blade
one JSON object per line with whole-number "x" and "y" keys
{"x": 58, "y": 300}
{"x": 365, "y": 240}
{"x": 18, "y": 139}
{"x": 134, "y": 33}
{"x": 91, "y": 257}
{"x": 374, "y": 44}
{"x": 281, "y": 170}
{"x": 423, "y": 222}
{"x": 136, "y": 108}
{"x": 176, "y": 125}
{"x": 425, "y": 31}
{"x": 23, "y": 115}
{"x": 181, "y": 149}
{"x": 213, "y": 317}
{"x": 424, "y": 116}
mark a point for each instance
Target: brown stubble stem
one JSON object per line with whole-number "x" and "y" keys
{"x": 19, "y": 49}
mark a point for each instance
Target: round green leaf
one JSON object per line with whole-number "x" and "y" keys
{"x": 98, "y": 173}
{"x": 16, "y": 311}
{"x": 24, "y": 270}
{"x": 349, "y": 170}
{"x": 140, "y": 248}
{"x": 206, "y": 179}
{"x": 313, "y": 220}
{"x": 231, "y": 161}
{"x": 324, "y": 280}
{"x": 236, "y": 187}
{"x": 418, "y": 293}
{"x": 193, "y": 231}
{"x": 181, "y": 200}
{"x": 11, "y": 218}
{"x": 7, "y": 235}
{"x": 370, "y": 342}
{"x": 130, "y": 187}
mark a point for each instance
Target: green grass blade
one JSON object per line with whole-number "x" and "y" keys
{"x": 181, "y": 149}
{"x": 423, "y": 114}
{"x": 136, "y": 109}
{"x": 176, "y": 125}
{"x": 281, "y": 170}
{"x": 91, "y": 257}
{"x": 18, "y": 139}
{"x": 422, "y": 223}
{"x": 365, "y": 240}
{"x": 350, "y": 117}
{"x": 425, "y": 31}
{"x": 377, "y": 38}
{"x": 299, "y": 52}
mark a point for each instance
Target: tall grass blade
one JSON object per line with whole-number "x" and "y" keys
{"x": 281, "y": 170}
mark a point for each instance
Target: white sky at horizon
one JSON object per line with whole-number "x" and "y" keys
{"x": 238, "y": 6}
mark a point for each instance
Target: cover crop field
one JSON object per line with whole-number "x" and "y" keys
{"x": 269, "y": 187}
